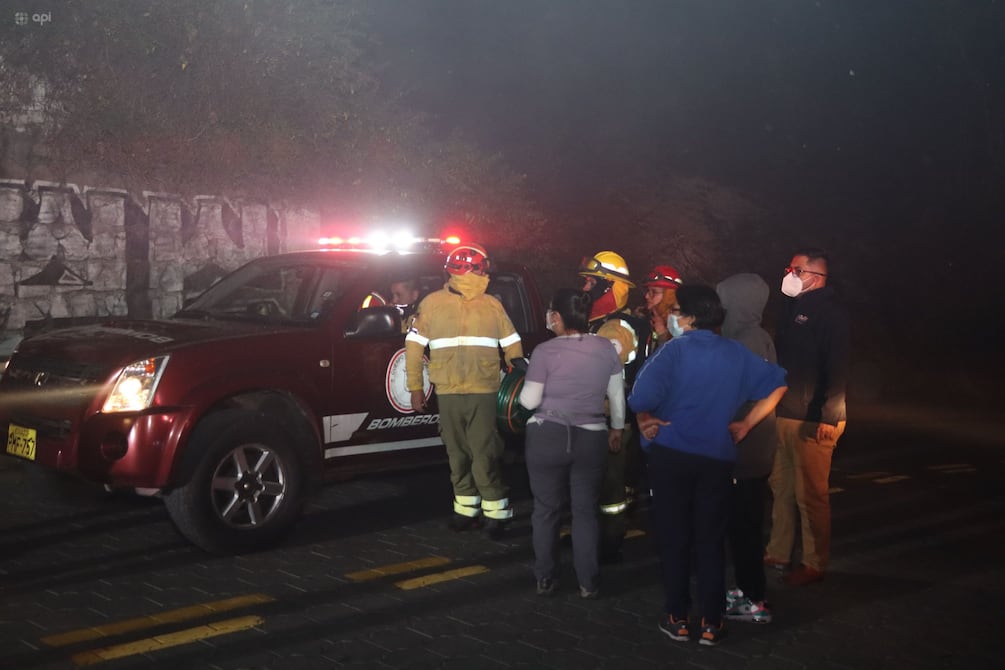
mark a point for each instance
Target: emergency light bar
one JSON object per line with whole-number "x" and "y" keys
{"x": 383, "y": 241}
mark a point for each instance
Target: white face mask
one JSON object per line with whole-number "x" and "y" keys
{"x": 548, "y": 322}
{"x": 674, "y": 326}
{"x": 792, "y": 285}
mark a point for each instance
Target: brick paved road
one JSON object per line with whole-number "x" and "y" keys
{"x": 372, "y": 579}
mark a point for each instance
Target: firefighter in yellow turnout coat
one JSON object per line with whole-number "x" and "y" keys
{"x": 605, "y": 277}
{"x": 464, "y": 329}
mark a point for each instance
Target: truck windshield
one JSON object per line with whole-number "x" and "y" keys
{"x": 272, "y": 291}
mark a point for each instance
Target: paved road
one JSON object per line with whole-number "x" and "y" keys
{"x": 372, "y": 579}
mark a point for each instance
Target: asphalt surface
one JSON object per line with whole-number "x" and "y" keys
{"x": 373, "y": 579}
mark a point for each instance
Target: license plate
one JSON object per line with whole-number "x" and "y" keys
{"x": 21, "y": 441}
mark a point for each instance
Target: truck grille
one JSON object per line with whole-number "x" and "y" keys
{"x": 45, "y": 372}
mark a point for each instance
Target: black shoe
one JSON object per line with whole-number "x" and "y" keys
{"x": 460, "y": 523}
{"x": 495, "y": 529}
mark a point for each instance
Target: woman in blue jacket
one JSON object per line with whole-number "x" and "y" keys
{"x": 687, "y": 395}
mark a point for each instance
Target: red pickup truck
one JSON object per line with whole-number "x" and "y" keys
{"x": 284, "y": 372}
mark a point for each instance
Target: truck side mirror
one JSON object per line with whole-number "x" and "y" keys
{"x": 383, "y": 321}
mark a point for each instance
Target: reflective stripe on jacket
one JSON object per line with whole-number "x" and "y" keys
{"x": 629, "y": 334}
{"x": 464, "y": 337}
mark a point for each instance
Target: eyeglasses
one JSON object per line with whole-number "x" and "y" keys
{"x": 799, "y": 272}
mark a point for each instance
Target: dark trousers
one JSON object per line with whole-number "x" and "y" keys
{"x": 746, "y": 535}
{"x": 565, "y": 465}
{"x": 691, "y": 509}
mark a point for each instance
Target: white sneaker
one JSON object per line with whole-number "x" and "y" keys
{"x": 745, "y": 609}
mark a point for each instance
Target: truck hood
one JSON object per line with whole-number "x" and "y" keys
{"x": 115, "y": 343}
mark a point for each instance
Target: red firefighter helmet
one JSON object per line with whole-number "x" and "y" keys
{"x": 468, "y": 258}
{"x": 663, "y": 276}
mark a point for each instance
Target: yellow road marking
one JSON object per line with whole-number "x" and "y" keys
{"x": 868, "y": 475}
{"x": 961, "y": 471}
{"x": 159, "y": 642}
{"x": 397, "y": 568}
{"x": 427, "y": 580}
{"x": 835, "y": 489}
{"x": 634, "y": 532}
{"x": 140, "y": 623}
{"x": 890, "y": 480}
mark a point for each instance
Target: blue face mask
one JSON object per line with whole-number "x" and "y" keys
{"x": 673, "y": 326}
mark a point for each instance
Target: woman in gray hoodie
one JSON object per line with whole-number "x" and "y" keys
{"x": 744, "y": 297}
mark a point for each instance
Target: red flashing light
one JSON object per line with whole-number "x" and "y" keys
{"x": 381, "y": 241}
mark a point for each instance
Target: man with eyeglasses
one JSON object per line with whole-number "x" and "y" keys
{"x": 812, "y": 340}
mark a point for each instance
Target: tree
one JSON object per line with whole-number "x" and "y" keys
{"x": 275, "y": 100}
{"x": 190, "y": 96}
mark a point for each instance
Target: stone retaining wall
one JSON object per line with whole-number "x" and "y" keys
{"x": 69, "y": 252}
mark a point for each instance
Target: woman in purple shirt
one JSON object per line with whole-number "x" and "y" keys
{"x": 568, "y": 438}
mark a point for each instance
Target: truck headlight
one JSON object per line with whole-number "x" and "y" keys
{"x": 135, "y": 387}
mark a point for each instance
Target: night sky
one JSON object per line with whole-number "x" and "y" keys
{"x": 882, "y": 122}
{"x": 835, "y": 100}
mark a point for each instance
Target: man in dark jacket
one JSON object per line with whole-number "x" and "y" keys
{"x": 813, "y": 346}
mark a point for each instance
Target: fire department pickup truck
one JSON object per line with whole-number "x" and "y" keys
{"x": 287, "y": 371}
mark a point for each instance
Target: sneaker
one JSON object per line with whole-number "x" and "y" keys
{"x": 460, "y": 523}
{"x": 732, "y": 596}
{"x": 588, "y": 594}
{"x": 745, "y": 609}
{"x": 711, "y": 635}
{"x": 677, "y": 629}
{"x": 546, "y": 587}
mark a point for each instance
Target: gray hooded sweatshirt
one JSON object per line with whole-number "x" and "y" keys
{"x": 744, "y": 297}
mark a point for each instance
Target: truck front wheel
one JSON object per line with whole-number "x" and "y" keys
{"x": 247, "y": 487}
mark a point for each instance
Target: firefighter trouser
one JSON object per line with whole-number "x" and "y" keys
{"x": 614, "y": 499}
{"x": 474, "y": 449}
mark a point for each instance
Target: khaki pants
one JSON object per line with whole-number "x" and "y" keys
{"x": 800, "y": 483}
{"x": 474, "y": 449}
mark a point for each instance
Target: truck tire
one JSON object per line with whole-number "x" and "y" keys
{"x": 247, "y": 486}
